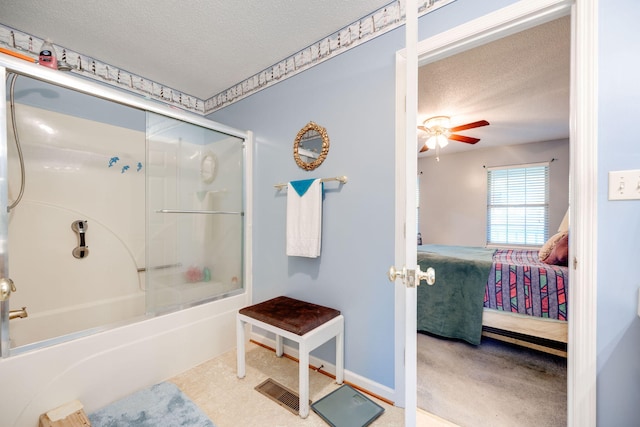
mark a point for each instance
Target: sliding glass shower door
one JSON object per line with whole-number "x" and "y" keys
{"x": 195, "y": 214}
{"x": 115, "y": 209}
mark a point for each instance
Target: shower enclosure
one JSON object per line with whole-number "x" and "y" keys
{"x": 194, "y": 215}
{"x": 118, "y": 209}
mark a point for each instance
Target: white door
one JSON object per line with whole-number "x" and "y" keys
{"x": 405, "y": 268}
{"x": 523, "y": 14}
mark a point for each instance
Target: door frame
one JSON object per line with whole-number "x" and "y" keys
{"x": 405, "y": 257}
{"x": 581, "y": 371}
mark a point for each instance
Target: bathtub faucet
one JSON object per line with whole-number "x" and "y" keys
{"x": 22, "y": 313}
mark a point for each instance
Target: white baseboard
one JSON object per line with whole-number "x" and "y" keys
{"x": 365, "y": 384}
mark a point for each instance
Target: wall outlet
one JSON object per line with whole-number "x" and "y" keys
{"x": 624, "y": 185}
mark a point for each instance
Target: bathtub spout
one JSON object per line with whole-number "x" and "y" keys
{"x": 22, "y": 313}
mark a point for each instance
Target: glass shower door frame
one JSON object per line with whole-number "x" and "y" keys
{"x": 5, "y": 342}
{"x": 68, "y": 80}
{"x": 195, "y": 215}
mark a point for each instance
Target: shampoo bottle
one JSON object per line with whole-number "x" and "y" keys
{"x": 48, "y": 55}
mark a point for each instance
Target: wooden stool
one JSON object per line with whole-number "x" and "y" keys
{"x": 70, "y": 414}
{"x": 309, "y": 325}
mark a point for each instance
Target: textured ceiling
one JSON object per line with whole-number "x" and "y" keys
{"x": 200, "y": 47}
{"x": 519, "y": 84}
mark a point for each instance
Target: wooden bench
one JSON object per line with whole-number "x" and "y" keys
{"x": 308, "y": 324}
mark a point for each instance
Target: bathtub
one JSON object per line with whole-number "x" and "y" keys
{"x": 87, "y": 332}
{"x": 99, "y": 368}
{"x": 76, "y": 320}
{"x": 64, "y": 295}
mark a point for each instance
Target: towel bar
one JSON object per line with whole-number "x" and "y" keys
{"x": 342, "y": 179}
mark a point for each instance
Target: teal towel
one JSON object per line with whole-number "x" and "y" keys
{"x": 302, "y": 186}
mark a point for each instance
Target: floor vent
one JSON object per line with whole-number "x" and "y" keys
{"x": 280, "y": 394}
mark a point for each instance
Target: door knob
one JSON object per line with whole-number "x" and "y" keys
{"x": 394, "y": 274}
{"x": 429, "y": 276}
{"x": 412, "y": 278}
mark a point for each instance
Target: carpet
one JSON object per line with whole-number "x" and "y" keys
{"x": 494, "y": 384}
{"x": 161, "y": 405}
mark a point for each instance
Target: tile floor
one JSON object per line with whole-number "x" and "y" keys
{"x": 233, "y": 402}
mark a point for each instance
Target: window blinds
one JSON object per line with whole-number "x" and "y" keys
{"x": 518, "y": 205}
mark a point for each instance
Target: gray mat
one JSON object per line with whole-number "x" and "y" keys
{"x": 161, "y": 405}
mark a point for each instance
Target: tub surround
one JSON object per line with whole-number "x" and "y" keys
{"x": 104, "y": 367}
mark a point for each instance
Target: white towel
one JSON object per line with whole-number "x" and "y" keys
{"x": 304, "y": 220}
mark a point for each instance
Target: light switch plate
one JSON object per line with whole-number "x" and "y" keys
{"x": 624, "y": 185}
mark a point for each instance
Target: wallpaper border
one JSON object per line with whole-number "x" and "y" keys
{"x": 371, "y": 26}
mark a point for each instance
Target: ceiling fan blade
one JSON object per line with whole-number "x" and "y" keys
{"x": 422, "y": 128}
{"x": 462, "y": 138}
{"x": 424, "y": 148}
{"x": 469, "y": 126}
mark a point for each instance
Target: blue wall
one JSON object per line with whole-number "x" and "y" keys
{"x": 353, "y": 97}
{"x": 618, "y": 335}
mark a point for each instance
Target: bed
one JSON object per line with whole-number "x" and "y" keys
{"x": 508, "y": 294}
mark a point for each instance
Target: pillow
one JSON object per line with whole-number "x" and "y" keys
{"x": 546, "y": 249}
{"x": 560, "y": 253}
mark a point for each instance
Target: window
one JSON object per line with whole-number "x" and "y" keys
{"x": 518, "y": 205}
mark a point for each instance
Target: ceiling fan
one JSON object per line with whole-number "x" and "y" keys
{"x": 439, "y": 132}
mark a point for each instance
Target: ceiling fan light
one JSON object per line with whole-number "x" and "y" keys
{"x": 438, "y": 122}
{"x": 432, "y": 141}
{"x": 442, "y": 140}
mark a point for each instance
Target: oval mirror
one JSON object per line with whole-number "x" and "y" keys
{"x": 311, "y": 146}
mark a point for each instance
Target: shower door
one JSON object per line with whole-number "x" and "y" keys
{"x": 195, "y": 214}
{"x": 76, "y": 212}
{"x": 114, "y": 208}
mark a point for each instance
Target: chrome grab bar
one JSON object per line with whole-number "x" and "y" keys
{"x": 160, "y": 267}
{"x": 80, "y": 228}
{"x": 199, "y": 212}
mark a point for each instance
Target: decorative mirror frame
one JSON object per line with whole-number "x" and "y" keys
{"x": 311, "y": 126}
